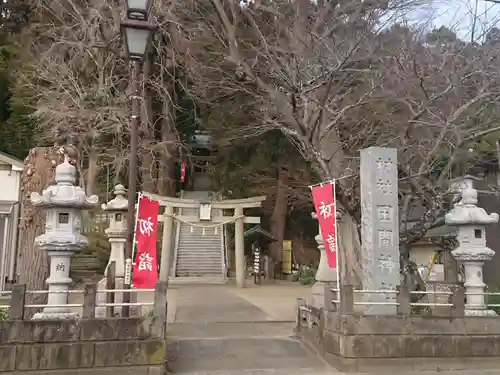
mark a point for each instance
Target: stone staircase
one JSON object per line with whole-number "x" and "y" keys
{"x": 199, "y": 252}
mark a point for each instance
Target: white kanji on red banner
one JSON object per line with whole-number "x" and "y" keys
{"x": 146, "y": 226}
{"x": 145, "y": 262}
{"x": 145, "y": 273}
{"x": 324, "y": 204}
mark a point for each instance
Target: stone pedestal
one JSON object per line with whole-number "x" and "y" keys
{"x": 325, "y": 276}
{"x": 63, "y": 204}
{"x": 472, "y": 251}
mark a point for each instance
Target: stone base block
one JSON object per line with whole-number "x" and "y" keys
{"x": 476, "y": 312}
{"x": 55, "y": 315}
{"x": 318, "y": 293}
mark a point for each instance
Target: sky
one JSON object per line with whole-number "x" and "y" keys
{"x": 459, "y": 16}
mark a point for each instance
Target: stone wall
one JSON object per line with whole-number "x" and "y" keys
{"x": 368, "y": 343}
{"x": 83, "y": 346}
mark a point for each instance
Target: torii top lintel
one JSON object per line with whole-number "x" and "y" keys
{"x": 221, "y": 204}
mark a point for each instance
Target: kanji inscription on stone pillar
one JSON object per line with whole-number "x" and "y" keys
{"x": 379, "y": 227}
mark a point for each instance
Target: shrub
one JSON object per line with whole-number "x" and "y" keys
{"x": 494, "y": 300}
{"x": 4, "y": 314}
{"x": 307, "y": 275}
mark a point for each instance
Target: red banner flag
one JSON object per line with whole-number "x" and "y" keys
{"x": 324, "y": 204}
{"x": 145, "y": 273}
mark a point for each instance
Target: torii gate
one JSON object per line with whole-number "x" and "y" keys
{"x": 238, "y": 205}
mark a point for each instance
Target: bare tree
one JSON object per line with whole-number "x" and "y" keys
{"x": 75, "y": 73}
{"x": 334, "y": 78}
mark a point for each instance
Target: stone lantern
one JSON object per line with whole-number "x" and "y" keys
{"x": 325, "y": 276}
{"x": 63, "y": 204}
{"x": 117, "y": 235}
{"x": 117, "y": 231}
{"x": 472, "y": 251}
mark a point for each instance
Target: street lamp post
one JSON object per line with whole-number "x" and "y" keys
{"x": 138, "y": 33}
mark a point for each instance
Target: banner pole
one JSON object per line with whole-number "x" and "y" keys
{"x": 139, "y": 195}
{"x": 336, "y": 243}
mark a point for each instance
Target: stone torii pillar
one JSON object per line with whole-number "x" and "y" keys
{"x": 239, "y": 247}
{"x": 325, "y": 276}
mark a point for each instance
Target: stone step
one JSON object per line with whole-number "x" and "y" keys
{"x": 191, "y": 272}
{"x": 200, "y": 246}
{"x": 199, "y": 258}
{"x": 271, "y": 328}
{"x": 200, "y": 254}
{"x": 189, "y": 238}
{"x": 194, "y": 256}
{"x": 286, "y": 371}
{"x": 196, "y": 267}
{"x": 199, "y": 274}
{"x": 236, "y": 354}
{"x": 216, "y": 279}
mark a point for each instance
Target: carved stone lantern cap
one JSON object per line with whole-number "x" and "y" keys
{"x": 64, "y": 193}
{"x": 119, "y": 203}
{"x": 466, "y": 211}
{"x": 65, "y": 173}
{"x": 460, "y": 183}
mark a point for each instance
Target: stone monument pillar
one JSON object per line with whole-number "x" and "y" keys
{"x": 472, "y": 250}
{"x": 63, "y": 203}
{"x": 379, "y": 227}
{"x": 325, "y": 276}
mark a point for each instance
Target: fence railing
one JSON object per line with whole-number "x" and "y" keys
{"x": 346, "y": 299}
{"x": 16, "y": 307}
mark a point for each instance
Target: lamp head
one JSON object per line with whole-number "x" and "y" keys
{"x": 138, "y": 10}
{"x": 138, "y": 35}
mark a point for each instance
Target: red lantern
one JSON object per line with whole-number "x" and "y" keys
{"x": 183, "y": 172}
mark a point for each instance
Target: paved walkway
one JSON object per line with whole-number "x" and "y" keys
{"x": 227, "y": 303}
{"x": 220, "y": 329}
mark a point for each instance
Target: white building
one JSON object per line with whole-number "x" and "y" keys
{"x": 10, "y": 202}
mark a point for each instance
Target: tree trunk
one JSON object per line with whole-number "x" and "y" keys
{"x": 167, "y": 158}
{"x": 32, "y": 265}
{"x": 348, "y": 236}
{"x": 278, "y": 217}
{"x": 92, "y": 172}
{"x": 349, "y": 250}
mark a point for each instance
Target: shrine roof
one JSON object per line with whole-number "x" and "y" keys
{"x": 11, "y": 160}
{"x": 258, "y": 231}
